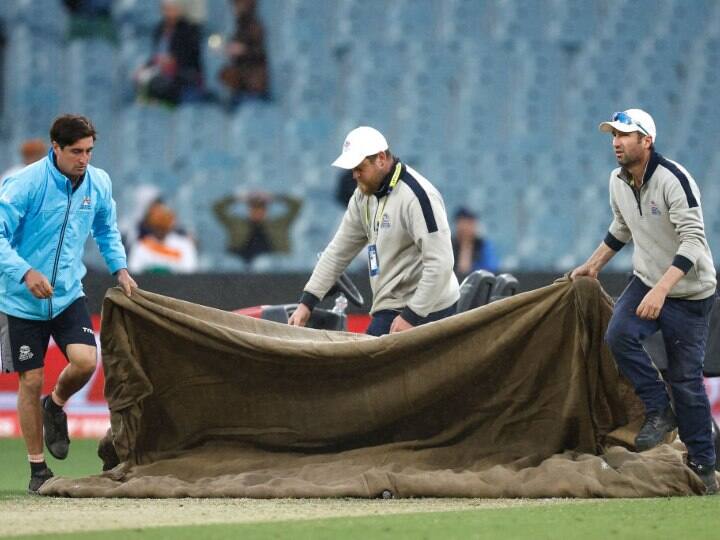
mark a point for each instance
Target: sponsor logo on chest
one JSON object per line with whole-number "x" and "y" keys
{"x": 654, "y": 210}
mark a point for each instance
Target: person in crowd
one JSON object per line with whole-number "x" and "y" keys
{"x": 90, "y": 19}
{"x": 656, "y": 203}
{"x": 256, "y": 232}
{"x": 131, "y": 221}
{"x": 345, "y": 188}
{"x": 31, "y": 150}
{"x": 246, "y": 71}
{"x": 61, "y": 199}
{"x": 162, "y": 249}
{"x": 195, "y": 11}
{"x": 173, "y": 73}
{"x": 471, "y": 248}
{"x": 400, "y": 216}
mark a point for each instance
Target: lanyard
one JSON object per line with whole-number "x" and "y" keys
{"x": 376, "y": 221}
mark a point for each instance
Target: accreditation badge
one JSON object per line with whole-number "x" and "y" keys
{"x": 373, "y": 264}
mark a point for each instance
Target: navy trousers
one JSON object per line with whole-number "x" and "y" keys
{"x": 382, "y": 320}
{"x": 684, "y": 325}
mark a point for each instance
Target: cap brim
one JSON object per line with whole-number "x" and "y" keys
{"x": 607, "y": 127}
{"x": 348, "y": 160}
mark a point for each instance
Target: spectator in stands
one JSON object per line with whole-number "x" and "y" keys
{"x": 471, "y": 248}
{"x": 31, "y": 150}
{"x": 400, "y": 217}
{"x": 656, "y": 204}
{"x": 131, "y": 223}
{"x": 91, "y": 19}
{"x": 173, "y": 73}
{"x": 256, "y": 233}
{"x": 246, "y": 72}
{"x": 195, "y": 11}
{"x": 345, "y": 188}
{"x": 162, "y": 249}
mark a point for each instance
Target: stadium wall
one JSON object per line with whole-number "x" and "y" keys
{"x": 233, "y": 291}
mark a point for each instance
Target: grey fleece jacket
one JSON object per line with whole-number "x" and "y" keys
{"x": 665, "y": 222}
{"x": 409, "y": 226}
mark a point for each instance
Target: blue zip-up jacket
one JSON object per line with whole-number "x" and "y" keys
{"x": 43, "y": 226}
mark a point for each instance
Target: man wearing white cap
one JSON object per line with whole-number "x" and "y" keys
{"x": 656, "y": 204}
{"x": 401, "y": 218}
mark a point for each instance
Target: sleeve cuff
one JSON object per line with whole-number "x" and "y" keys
{"x": 683, "y": 263}
{"x": 116, "y": 264}
{"x": 309, "y": 299}
{"x": 613, "y": 243}
{"x": 410, "y": 316}
{"x": 20, "y": 274}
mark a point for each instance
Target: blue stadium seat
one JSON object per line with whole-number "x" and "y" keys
{"x": 495, "y": 102}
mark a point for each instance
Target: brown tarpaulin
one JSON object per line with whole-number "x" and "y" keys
{"x": 520, "y": 398}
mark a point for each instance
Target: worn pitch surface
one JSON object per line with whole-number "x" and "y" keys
{"x": 37, "y": 515}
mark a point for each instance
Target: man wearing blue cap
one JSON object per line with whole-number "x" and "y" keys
{"x": 656, "y": 204}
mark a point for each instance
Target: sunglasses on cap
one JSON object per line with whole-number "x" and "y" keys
{"x": 625, "y": 118}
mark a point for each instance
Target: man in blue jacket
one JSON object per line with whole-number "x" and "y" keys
{"x": 47, "y": 211}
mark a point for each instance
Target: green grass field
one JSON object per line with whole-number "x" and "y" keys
{"x": 15, "y": 469}
{"x": 24, "y": 515}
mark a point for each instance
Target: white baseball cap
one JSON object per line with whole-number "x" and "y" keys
{"x": 360, "y": 143}
{"x": 631, "y": 120}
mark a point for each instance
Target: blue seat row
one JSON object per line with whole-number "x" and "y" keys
{"x": 496, "y": 102}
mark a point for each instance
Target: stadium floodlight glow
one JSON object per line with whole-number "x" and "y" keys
{"x": 625, "y": 118}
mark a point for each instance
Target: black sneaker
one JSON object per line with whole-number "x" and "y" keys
{"x": 707, "y": 475}
{"x": 56, "y": 429}
{"x": 38, "y": 479}
{"x": 655, "y": 428}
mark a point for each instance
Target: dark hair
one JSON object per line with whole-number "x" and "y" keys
{"x": 641, "y": 136}
{"x": 70, "y": 128}
{"x": 465, "y": 213}
{"x": 256, "y": 201}
{"x": 387, "y": 153}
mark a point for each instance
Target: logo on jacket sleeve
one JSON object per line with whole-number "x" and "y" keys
{"x": 654, "y": 210}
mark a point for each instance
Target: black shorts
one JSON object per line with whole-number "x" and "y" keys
{"x": 24, "y": 342}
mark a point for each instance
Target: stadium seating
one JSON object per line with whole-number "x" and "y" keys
{"x": 475, "y": 290}
{"x": 505, "y": 285}
{"x": 495, "y": 102}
